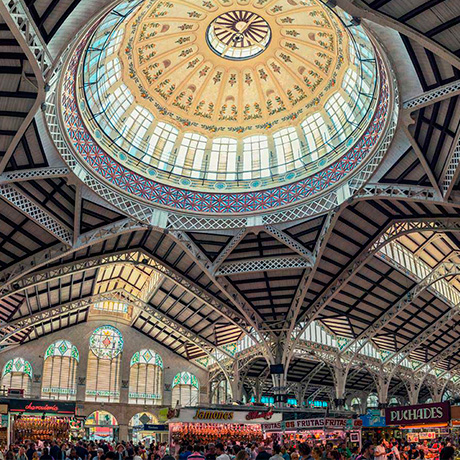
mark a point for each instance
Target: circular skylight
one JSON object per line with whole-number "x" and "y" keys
{"x": 238, "y": 35}
{"x": 227, "y": 99}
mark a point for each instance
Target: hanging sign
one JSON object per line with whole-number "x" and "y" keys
{"x": 417, "y": 415}
{"x": 206, "y": 415}
{"x": 47, "y": 407}
{"x": 307, "y": 424}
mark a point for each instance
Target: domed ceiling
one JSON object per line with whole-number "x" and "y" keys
{"x": 225, "y": 100}
{"x": 225, "y": 70}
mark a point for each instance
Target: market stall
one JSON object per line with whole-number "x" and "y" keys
{"x": 315, "y": 430}
{"x": 421, "y": 424}
{"x": 39, "y": 420}
{"x": 205, "y": 425}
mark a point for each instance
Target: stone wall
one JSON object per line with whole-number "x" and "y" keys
{"x": 133, "y": 341}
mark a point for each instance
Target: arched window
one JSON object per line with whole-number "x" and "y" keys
{"x": 59, "y": 371}
{"x": 17, "y": 375}
{"x": 185, "y": 390}
{"x": 356, "y": 404}
{"x": 104, "y": 361}
{"x": 372, "y": 401}
{"x": 145, "y": 378}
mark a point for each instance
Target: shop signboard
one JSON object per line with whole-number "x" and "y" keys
{"x": 422, "y": 414}
{"x": 307, "y": 424}
{"x": 43, "y": 407}
{"x": 372, "y": 421}
{"x": 155, "y": 427}
{"x": 427, "y": 435}
{"x": 206, "y": 415}
{"x": 412, "y": 437}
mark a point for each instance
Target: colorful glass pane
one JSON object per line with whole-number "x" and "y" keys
{"x": 147, "y": 356}
{"x": 17, "y": 365}
{"x": 185, "y": 378}
{"x": 106, "y": 342}
{"x": 62, "y": 348}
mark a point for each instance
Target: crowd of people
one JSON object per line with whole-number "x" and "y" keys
{"x": 230, "y": 450}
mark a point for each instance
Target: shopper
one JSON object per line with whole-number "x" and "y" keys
{"x": 221, "y": 455}
{"x": 277, "y": 453}
{"x": 197, "y": 453}
{"x": 263, "y": 454}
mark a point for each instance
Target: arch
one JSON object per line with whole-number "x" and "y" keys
{"x": 60, "y": 371}
{"x": 146, "y": 378}
{"x": 104, "y": 362}
{"x": 136, "y": 424}
{"x": 372, "y": 401}
{"x": 101, "y": 424}
{"x": 185, "y": 390}
{"x": 17, "y": 374}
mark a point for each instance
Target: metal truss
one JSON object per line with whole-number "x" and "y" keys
{"x": 231, "y": 245}
{"x": 10, "y": 329}
{"x": 262, "y": 264}
{"x": 444, "y": 270}
{"x": 290, "y": 242}
{"x": 393, "y": 230}
{"x": 23, "y": 267}
{"x": 17, "y": 11}
{"x": 252, "y": 317}
{"x": 399, "y": 192}
{"x": 433, "y": 96}
{"x": 136, "y": 257}
{"x": 422, "y": 159}
{"x": 35, "y": 212}
{"x": 451, "y": 170}
{"x": 16, "y": 16}
{"x": 23, "y": 175}
{"x": 304, "y": 284}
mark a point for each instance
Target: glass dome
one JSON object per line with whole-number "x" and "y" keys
{"x": 228, "y": 99}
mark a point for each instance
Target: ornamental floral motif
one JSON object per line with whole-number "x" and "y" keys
{"x": 185, "y": 378}
{"x": 62, "y": 348}
{"x": 146, "y": 356}
{"x": 17, "y": 365}
{"x": 106, "y": 342}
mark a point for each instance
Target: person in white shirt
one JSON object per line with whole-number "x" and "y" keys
{"x": 380, "y": 451}
{"x": 221, "y": 455}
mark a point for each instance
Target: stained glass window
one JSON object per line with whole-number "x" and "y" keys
{"x": 104, "y": 362}
{"x": 185, "y": 390}
{"x": 106, "y": 342}
{"x": 145, "y": 378}
{"x": 59, "y": 371}
{"x": 17, "y": 374}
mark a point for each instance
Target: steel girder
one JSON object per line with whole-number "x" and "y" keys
{"x": 136, "y": 257}
{"x": 15, "y": 15}
{"x": 36, "y": 213}
{"x": 444, "y": 270}
{"x": 23, "y": 175}
{"x": 451, "y": 170}
{"x": 431, "y": 97}
{"x": 393, "y": 230}
{"x": 305, "y": 282}
{"x": 12, "y": 274}
{"x": 252, "y": 317}
{"x": 262, "y": 264}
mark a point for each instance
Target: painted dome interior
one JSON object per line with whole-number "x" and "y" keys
{"x": 227, "y": 95}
